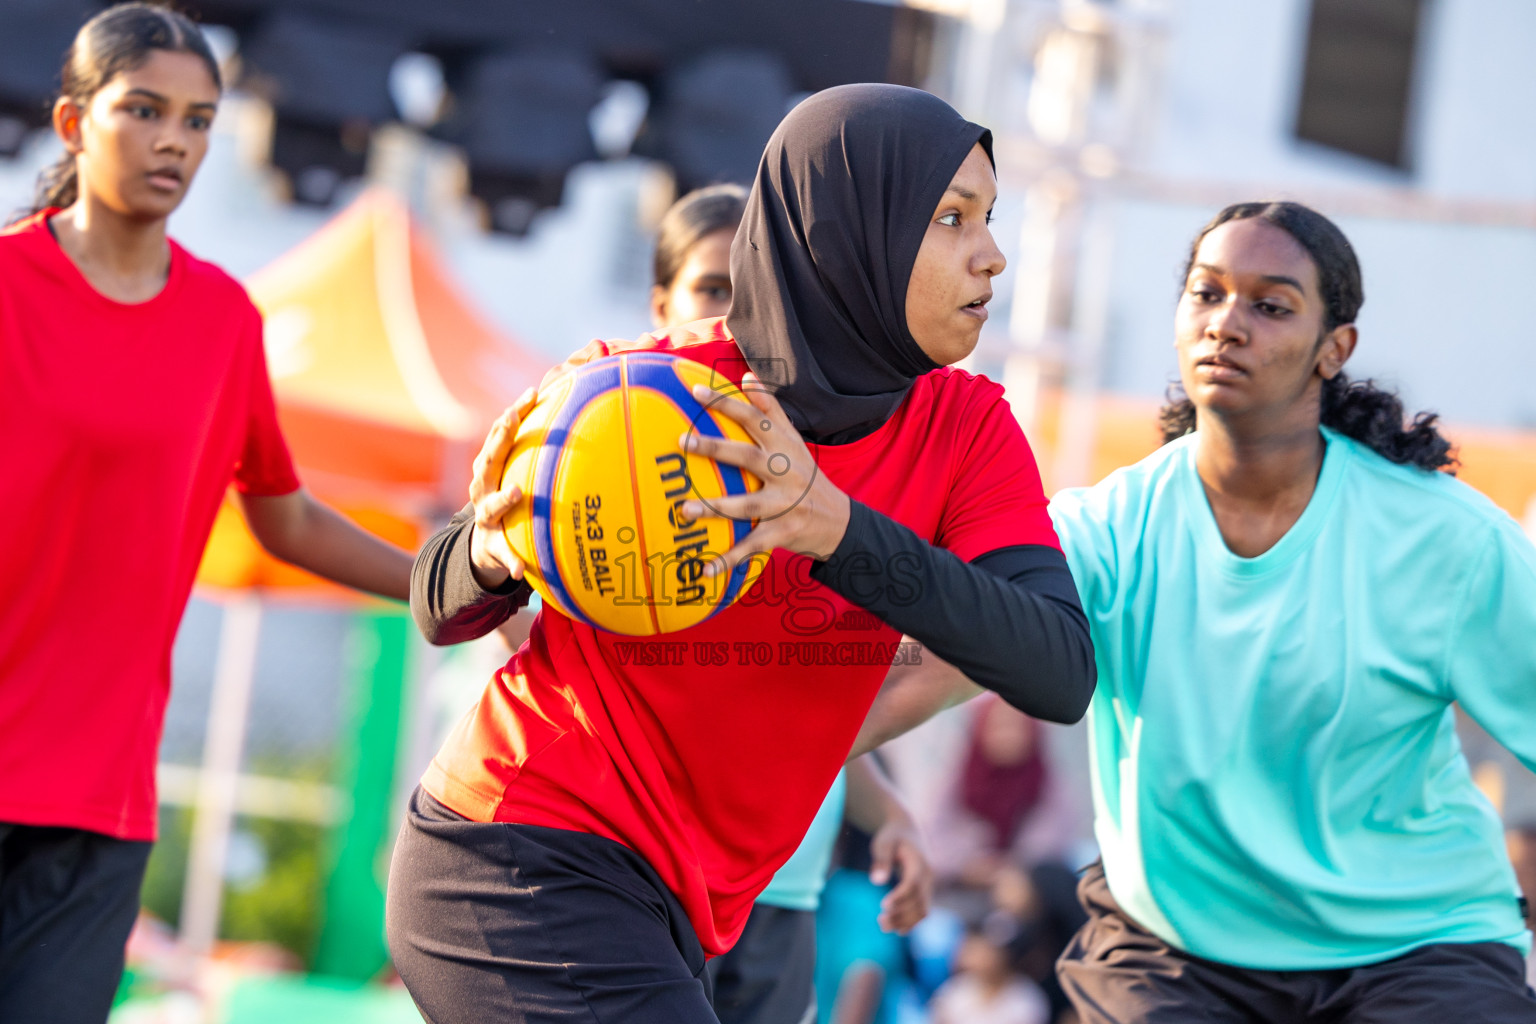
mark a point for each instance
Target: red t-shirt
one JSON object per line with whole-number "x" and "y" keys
{"x": 121, "y": 426}
{"x": 708, "y": 751}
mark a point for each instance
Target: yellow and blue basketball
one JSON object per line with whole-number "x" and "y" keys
{"x": 601, "y": 531}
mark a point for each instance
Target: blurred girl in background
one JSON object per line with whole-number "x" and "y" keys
{"x": 988, "y": 986}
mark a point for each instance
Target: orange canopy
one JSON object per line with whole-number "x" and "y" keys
{"x": 386, "y": 382}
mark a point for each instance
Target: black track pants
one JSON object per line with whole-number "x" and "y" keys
{"x": 769, "y": 976}
{"x": 1116, "y": 972}
{"x": 492, "y": 923}
{"x": 68, "y": 899}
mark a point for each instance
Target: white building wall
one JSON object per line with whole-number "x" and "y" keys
{"x": 1446, "y": 315}
{"x": 1477, "y": 112}
{"x": 1232, "y": 80}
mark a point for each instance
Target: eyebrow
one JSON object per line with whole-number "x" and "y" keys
{"x": 963, "y": 192}
{"x": 161, "y": 99}
{"x": 1266, "y": 278}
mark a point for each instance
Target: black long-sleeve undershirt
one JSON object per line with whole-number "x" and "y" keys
{"x": 447, "y": 602}
{"x": 1010, "y": 620}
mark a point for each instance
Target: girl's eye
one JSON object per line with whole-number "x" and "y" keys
{"x": 199, "y": 123}
{"x": 950, "y": 220}
{"x": 142, "y": 111}
{"x": 1204, "y": 295}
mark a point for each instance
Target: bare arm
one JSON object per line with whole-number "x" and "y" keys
{"x": 300, "y": 530}
{"x": 912, "y": 693}
{"x": 895, "y": 847}
{"x": 859, "y": 993}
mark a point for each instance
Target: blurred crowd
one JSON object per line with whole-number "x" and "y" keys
{"x": 1004, "y": 831}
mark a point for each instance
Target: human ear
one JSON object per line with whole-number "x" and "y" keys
{"x": 659, "y": 305}
{"x": 66, "y": 123}
{"x": 1338, "y": 345}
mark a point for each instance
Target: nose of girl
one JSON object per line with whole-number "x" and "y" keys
{"x": 991, "y": 259}
{"x": 1226, "y": 322}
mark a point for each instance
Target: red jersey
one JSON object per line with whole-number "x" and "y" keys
{"x": 708, "y": 751}
{"x": 122, "y": 427}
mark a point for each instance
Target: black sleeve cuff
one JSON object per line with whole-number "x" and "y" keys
{"x": 448, "y": 603}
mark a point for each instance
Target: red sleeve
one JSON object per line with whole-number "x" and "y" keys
{"x": 679, "y": 338}
{"x": 996, "y": 499}
{"x": 265, "y": 467}
{"x": 646, "y": 342}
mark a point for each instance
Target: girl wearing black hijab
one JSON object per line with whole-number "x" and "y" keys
{"x": 597, "y": 826}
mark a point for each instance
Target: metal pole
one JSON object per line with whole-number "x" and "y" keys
{"x": 978, "y": 45}
{"x": 1073, "y": 464}
{"x": 202, "y": 899}
{"x": 1032, "y": 315}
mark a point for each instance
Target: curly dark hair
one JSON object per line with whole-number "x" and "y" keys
{"x": 1359, "y": 409}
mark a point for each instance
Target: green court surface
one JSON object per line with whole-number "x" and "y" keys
{"x": 312, "y": 1000}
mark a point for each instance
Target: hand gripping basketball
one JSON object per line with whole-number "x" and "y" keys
{"x": 490, "y": 556}
{"x": 797, "y": 508}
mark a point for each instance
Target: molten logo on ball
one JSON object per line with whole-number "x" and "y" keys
{"x": 688, "y": 537}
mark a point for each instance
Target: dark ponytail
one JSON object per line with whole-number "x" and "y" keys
{"x": 1356, "y": 409}
{"x": 698, "y": 214}
{"x": 118, "y": 39}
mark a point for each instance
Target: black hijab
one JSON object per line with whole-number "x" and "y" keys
{"x": 819, "y": 268}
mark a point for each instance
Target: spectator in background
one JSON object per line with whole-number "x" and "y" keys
{"x": 1036, "y": 912}
{"x": 1005, "y": 782}
{"x": 1004, "y": 818}
{"x": 1002, "y": 782}
{"x": 983, "y": 786}
{"x": 1003, "y": 829}
{"x": 862, "y": 970}
{"x": 1003, "y": 848}
{"x": 988, "y": 987}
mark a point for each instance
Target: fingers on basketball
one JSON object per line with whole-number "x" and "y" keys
{"x": 765, "y": 401}
{"x": 754, "y": 544}
{"x": 749, "y": 457}
{"x": 496, "y": 544}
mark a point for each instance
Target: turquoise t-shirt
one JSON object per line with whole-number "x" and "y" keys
{"x": 798, "y": 883}
{"x": 1276, "y": 777}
